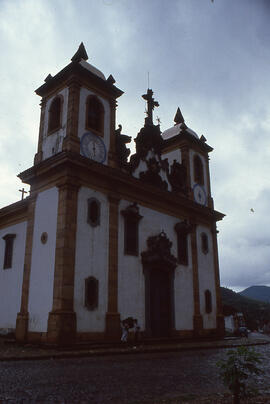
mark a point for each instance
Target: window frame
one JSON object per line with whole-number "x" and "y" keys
{"x": 182, "y": 230}
{"x": 198, "y": 169}
{"x": 131, "y": 218}
{"x": 9, "y": 247}
{"x": 55, "y": 128}
{"x": 208, "y": 301}
{"x": 90, "y": 201}
{"x": 98, "y": 130}
{"x": 204, "y": 243}
{"x": 87, "y": 303}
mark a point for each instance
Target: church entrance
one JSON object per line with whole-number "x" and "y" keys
{"x": 158, "y": 266}
{"x": 160, "y": 303}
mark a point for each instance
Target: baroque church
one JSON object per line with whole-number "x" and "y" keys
{"x": 103, "y": 235}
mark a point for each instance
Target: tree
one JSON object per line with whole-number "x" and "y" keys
{"x": 236, "y": 369}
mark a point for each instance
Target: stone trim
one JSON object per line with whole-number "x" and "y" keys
{"x": 91, "y": 336}
{"x": 85, "y": 76}
{"x": 208, "y": 182}
{"x": 112, "y": 158}
{"x": 14, "y": 213}
{"x": 112, "y": 316}
{"x": 220, "y": 319}
{"x": 39, "y": 154}
{"x": 71, "y": 142}
{"x": 107, "y": 179}
{"x": 197, "y": 318}
{"x": 62, "y": 319}
{"x": 22, "y": 316}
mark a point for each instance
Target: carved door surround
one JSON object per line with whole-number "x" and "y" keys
{"x": 158, "y": 266}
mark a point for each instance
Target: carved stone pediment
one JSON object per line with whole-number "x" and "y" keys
{"x": 132, "y": 211}
{"x": 183, "y": 227}
{"x": 159, "y": 253}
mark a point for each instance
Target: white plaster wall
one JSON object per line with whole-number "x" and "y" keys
{"x": 43, "y": 259}
{"x": 11, "y": 278}
{"x": 84, "y": 93}
{"x": 206, "y": 273}
{"x": 52, "y": 143}
{"x": 92, "y": 246}
{"x": 229, "y": 323}
{"x": 131, "y": 282}
{"x": 192, "y": 153}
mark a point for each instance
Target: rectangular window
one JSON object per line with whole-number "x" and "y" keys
{"x": 131, "y": 236}
{"x": 182, "y": 248}
{"x": 9, "y": 240}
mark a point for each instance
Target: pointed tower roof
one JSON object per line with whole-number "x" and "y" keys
{"x": 80, "y": 54}
{"x": 178, "y": 117}
{"x": 83, "y": 71}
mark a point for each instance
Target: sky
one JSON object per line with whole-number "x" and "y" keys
{"x": 210, "y": 58}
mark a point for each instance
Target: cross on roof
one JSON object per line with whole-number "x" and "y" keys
{"x": 23, "y": 192}
{"x": 151, "y": 104}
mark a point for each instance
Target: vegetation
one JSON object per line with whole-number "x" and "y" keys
{"x": 236, "y": 369}
{"x": 261, "y": 293}
{"x": 256, "y": 313}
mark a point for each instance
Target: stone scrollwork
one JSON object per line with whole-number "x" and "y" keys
{"x": 178, "y": 177}
{"x": 152, "y": 175}
{"x": 122, "y": 151}
{"x": 159, "y": 252}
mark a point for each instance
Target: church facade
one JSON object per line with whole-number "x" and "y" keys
{"x": 101, "y": 238}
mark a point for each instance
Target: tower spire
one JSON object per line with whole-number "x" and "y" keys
{"x": 178, "y": 117}
{"x": 80, "y": 54}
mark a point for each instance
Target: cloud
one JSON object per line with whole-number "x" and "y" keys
{"x": 211, "y": 59}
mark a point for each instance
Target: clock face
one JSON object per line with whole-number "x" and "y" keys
{"x": 199, "y": 194}
{"x": 93, "y": 147}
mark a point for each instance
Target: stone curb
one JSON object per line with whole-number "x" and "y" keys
{"x": 129, "y": 350}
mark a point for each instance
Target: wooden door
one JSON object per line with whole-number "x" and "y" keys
{"x": 160, "y": 303}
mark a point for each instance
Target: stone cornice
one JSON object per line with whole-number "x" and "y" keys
{"x": 14, "y": 213}
{"x": 184, "y": 138}
{"x": 75, "y": 70}
{"x": 71, "y": 166}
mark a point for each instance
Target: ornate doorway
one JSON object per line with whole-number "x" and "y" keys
{"x": 158, "y": 266}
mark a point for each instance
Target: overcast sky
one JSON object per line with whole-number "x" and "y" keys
{"x": 209, "y": 58}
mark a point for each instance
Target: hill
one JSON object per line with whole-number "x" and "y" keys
{"x": 261, "y": 293}
{"x": 255, "y": 312}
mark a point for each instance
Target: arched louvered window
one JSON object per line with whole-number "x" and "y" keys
{"x": 93, "y": 212}
{"x": 55, "y": 114}
{"x": 204, "y": 243}
{"x": 198, "y": 170}
{"x": 94, "y": 115}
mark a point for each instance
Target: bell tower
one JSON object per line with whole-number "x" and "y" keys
{"x": 184, "y": 145}
{"x": 78, "y": 112}
{"x": 76, "y": 137}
